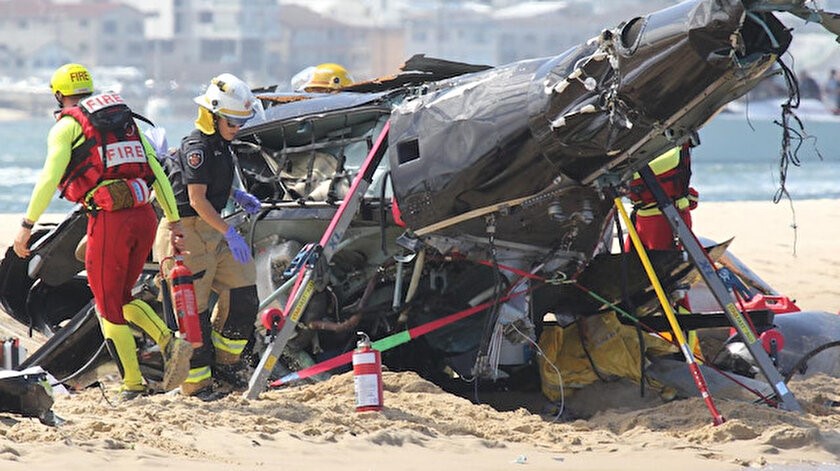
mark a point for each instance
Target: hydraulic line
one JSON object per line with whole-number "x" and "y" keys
{"x": 804, "y": 360}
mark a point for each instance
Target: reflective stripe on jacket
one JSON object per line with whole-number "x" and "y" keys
{"x": 673, "y": 172}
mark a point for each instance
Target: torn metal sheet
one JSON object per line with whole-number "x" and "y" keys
{"x": 610, "y": 105}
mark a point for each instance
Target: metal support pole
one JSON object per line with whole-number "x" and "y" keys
{"x": 707, "y": 270}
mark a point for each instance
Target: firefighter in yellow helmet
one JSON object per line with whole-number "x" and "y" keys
{"x": 326, "y": 78}
{"x": 121, "y": 222}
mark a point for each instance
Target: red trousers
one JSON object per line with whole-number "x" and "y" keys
{"x": 656, "y": 234}
{"x": 118, "y": 244}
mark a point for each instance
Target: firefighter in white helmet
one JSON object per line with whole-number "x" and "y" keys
{"x": 202, "y": 174}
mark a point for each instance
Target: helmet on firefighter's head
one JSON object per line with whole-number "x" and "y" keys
{"x": 71, "y": 80}
{"x": 328, "y": 77}
{"x": 229, "y": 97}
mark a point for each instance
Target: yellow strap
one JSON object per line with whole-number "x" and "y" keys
{"x": 231, "y": 346}
{"x": 652, "y": 209}
{"x": 88, "y": 199}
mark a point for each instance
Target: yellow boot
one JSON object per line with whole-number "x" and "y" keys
{"x": 199, "y": 379}
{"x": 229, "y": 370}
{"x": 123, "y": 349}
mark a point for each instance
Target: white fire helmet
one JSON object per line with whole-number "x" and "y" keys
{"x": 230, "y": 97}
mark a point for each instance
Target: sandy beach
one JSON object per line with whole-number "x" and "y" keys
{"x": 315, "y": 427}
{"x": 792, "y": 246}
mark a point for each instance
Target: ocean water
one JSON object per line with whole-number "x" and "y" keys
{"x": 738, "y": 160}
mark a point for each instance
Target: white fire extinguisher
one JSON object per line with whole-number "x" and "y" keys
{"x": 367, "y": 375}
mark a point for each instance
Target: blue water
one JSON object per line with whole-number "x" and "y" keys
{"x": 738, "y": 160}
{"x": 733, "y": 163}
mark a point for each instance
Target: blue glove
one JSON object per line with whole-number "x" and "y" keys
{"x": 247, "y": 201}
{"x": 238, "y": 246}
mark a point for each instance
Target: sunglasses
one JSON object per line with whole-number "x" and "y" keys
{"x": 235, "y": 122}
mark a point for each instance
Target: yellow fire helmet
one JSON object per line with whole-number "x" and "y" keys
{"x": 71, "y": 79}
{"x": 328, "y": 77}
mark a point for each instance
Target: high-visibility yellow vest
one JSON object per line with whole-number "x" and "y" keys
{"x": 673, "y": 171}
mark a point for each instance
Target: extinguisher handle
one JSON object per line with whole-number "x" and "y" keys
{"x": 364, "y": 341}
{"x": 179, "y": 254}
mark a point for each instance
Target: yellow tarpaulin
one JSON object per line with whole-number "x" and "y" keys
{"x": 612, "y": 346}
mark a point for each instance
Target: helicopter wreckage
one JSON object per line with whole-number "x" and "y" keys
{"x": 491, "y": 203}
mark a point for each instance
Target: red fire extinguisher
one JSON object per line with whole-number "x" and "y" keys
{"x": 367, "y": 375}
{"x": 183, "y": 301}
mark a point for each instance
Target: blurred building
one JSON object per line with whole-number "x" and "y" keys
{"x": 496, "y": 32}
{"x": 39, "y": 34}
{"x": 308, "y": 38}
{"x": 192, "y": 40}
{"x": 175, "y": 46}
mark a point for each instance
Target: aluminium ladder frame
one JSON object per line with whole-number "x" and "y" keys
{"x": 307, "y": 276}
{"x": 707, "y": 270}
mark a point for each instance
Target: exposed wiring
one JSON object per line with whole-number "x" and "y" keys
{"x": 562, "y": 405}
{"x": 82, "y": 368}
{"x": 790, "y": 155}
{"x": 495, "y": 349}
{"x": 484, "y": 350}
{"x": 801, "y": 365}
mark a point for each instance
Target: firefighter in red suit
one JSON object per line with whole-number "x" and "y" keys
{"x": 97, "y": 156}
{"x": 673, "y": 172}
